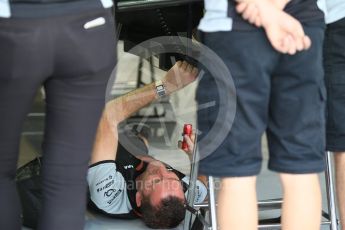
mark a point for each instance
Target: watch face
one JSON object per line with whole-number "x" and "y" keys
{"x": 160, "y": 87}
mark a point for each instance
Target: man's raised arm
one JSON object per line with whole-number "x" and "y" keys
{"x": 121, "y": 108}
{"x": 180, "y": 75}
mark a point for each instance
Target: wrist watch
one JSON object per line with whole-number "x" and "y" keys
{"x": 160, "y": 88}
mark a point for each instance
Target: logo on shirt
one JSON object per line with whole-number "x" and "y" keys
{"x": 115, "y": 195}
{"x": 128, "y": 167}
{"x": 105, "y": 186}
{"x": 109, "y": 192}
{"x": 106, "y": 179}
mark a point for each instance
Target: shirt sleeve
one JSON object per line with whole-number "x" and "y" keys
{"x": 107, "y": 188}
{"x": 200, "y": 191}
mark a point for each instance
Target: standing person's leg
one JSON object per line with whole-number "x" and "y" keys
{"x": 74, "y": 102}
{"x": 296, "y": 132}
{"x": 15, "y": 102}
{"x": 238, "y": 159}
{"x": 302, "y": 201}
{"x": 334, "y": 61}
{"x": 340, "y": 185}
{"x": 21, "y": 73}
{"x": 237, "y": 203}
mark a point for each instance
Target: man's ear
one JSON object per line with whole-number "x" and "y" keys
{"x": 138, "y": 198}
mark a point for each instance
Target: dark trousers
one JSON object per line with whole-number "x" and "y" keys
{"x": 73, "y": 64}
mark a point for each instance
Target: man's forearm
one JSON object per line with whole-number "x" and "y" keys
{"x": 116, "y": 111}
{"x": 105, "y": 145}
{"x": 124, "y": 106}
{"x": 121, "y": 108}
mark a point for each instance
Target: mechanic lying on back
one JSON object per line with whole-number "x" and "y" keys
{"x": 122, "y": 185}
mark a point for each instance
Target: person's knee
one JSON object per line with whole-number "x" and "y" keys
{"x": 339, "y": 157}
{"x": 238, "y": 183}
{"x": 297, "y": 182}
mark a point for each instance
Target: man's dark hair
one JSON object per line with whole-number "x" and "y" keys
{"x": 168, "y": 214}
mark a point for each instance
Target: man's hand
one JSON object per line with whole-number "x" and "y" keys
{"x": 284, "y": 32}
{"x": 180, "y": 75}
{"x": 190, "y": 143}
{"x": 250, "y": 11}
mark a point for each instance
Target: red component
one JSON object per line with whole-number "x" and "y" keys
{"x": 187, "y": 130}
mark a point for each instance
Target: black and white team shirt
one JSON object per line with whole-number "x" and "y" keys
{"x": 112, "y": 186}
